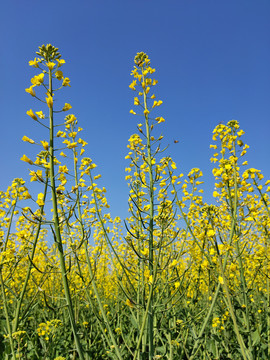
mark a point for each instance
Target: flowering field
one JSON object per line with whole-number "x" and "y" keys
{"x": 177, "y": 279}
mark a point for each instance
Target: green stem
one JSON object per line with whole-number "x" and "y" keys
{"x": 151, "y": 230}
{"x": 58, "y": 238}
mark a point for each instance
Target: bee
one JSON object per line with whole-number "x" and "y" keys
{"x": 176, "y": 141}
{"x": 139, "y": 62}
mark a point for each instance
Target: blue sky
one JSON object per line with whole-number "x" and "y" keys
{"x": 212, "y": 60}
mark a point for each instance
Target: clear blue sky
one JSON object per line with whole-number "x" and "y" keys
{"x": 212, "y": 60}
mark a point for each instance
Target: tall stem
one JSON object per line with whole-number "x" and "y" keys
{"x": 151, "y": 230}
{"x": 58, "y": 237}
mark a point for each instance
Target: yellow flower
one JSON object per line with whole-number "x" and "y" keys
{"x": 157, "y": 103}
{"x": 25, "y": 138}
{"x": 118, "y": 331}
{"x": 40, "y": 201}
{"x": 59, "y": 189}
{"x": 38, "y": 79}
{"x": 26, "y": 159}
{"x": 70, "y": 119}
{"x": 160, "y": 119}
{"x": 132, "y": 112}
{"x": 215, "y": 322}
{"x": 133, "y": 84}
{"x": 71, "y": 145}
{"x": 60, "y": 62}
{"x": 33, "y": 63}
{"x": 31, "y": 114}
{"x": 36, "y": 175}
{"x": 221, "y": 280}
{"x": 211, "y": 232}
{"x": 40, "y": 114}
{"x": 50, "y": 65}
{"x": 146, "y": 112}
{"x": 59, "y": 75}
{"x": 30, "y": 91}
{"x": 129, "y": 303}
{"x": 63, "y": 169}
{"x": 145, "y": 252}
{"x": 66, "y": 107}
{"x": 136, "y": 101}
{"x": 44, "y": 144}
{"x": 49, "y": 101}
{"x": 174, "y": 263}
{"x": 66, "y": 82}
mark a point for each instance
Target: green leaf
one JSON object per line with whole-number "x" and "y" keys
{"x": 256, "y": 338}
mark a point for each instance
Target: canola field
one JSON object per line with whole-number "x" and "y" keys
{"x": 177, "y": 279}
